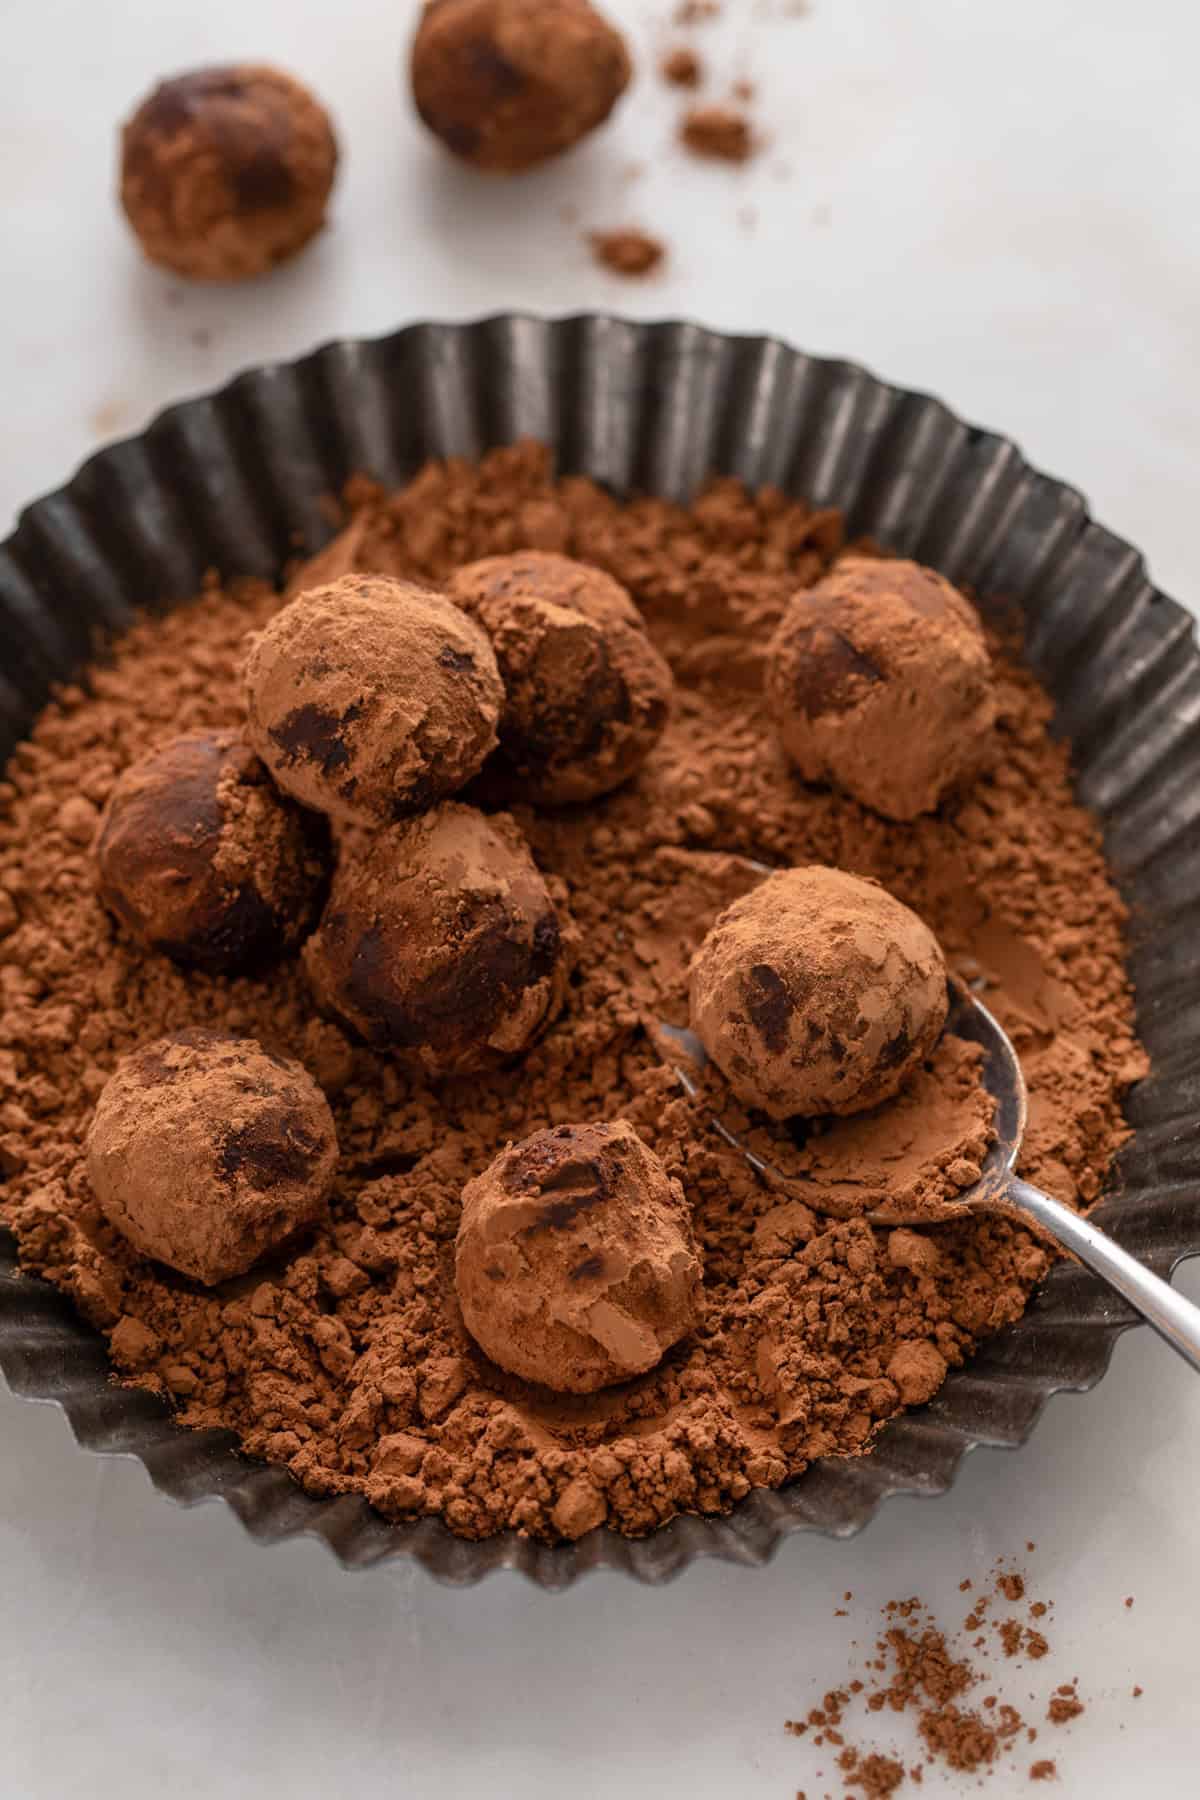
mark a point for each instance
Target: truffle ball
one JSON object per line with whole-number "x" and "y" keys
{"x": 440, "y": 942}
{"x": 879, "y": 682}
{"x": 817, "y": 992}
{"x": 371, "y": 698}
{"x": 200, "y": 858}
{"x": 576, "y": 1265}
{"x": 588, "y": 695}
{"x": 206, "y": 1151}
{"x": 226, "y": 172}
{"x": 507, "y": 83}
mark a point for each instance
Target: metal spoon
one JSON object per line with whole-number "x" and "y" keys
{"x": 999, "y": 1187}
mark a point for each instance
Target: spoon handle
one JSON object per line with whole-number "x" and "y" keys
{"x": 1173, "y": 1317}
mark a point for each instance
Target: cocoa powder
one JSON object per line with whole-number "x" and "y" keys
{"x": 346, "y": 1360}
{"x": 627, "y": 251}
{"x": 915, "y": 1667}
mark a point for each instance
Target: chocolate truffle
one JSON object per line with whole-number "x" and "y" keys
{"x": 206, "y": 1151}
{"x": 817, "y": 992}
{"x": 370, "y": 698}
{"x": 198, "y": 856}
{"x": 440, "y": 942}
{"x": 226, "y": 172}
{"x": 588, "y": 695}
{"x": 576, "y": 1265}
{"x": 879, "y": 681}
{"x": 507, "y": 83}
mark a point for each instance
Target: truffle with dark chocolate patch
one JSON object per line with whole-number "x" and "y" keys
{"x": 576, "y": 1265}
{"x": 440, "y": 942}
{"x": 199, "y": 857}
{"x": 587, "y": 694}
{"x": 372, "y": 698}
{"x": 879, "y": 681}
{"x": 226, "y": 172}
{"x": 507, "y": 83}
{"x": 818, "y": 992}
{"x": 206, "y": 1151}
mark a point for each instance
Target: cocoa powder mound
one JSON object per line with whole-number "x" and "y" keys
{"x": 345, "y": 1359}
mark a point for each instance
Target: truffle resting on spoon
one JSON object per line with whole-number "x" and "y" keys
{"x": 200, "y": 858}
{"x": 817, "y": 992}
{"x": 206, "y": 1151}
{"x": 576, "y": 1266}
{"x": 588, "y": 695}
{"x": 879, "y": 682}
{"x": 371, "y": 698}
{"x": 440, "y": 942}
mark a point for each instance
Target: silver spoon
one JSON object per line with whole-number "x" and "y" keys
{"x": 999, "y": 1187}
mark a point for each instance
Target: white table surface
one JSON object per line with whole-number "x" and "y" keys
{"x": 1000, "y": 202}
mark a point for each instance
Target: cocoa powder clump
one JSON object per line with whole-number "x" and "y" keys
{"x": 627, "y": 251}
{"x": 345, "y": 1359}
{"x": 721, "y": 133}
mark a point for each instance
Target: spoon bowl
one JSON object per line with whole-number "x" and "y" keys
{"x": 999, "y": 1187}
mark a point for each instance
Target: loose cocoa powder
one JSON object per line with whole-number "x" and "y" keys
{"x": 346, "y": 1360}
{"x": 915, "y": 1667}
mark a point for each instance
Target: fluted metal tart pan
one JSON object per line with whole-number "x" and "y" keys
{"x": 235, "y": 480}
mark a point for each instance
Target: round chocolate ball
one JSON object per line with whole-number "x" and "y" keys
{"x": 817, "y": 992}
{"x": 199, "y": 857}
{"x": 227, "y": 171}
{"x": 587, "y": 694}
{"x": 440, "y": 942}
{"x": 576, "y": 1265}
{"x": 206, "y": 1151}
{"x": 507, "y": 83}
{"x": 370, "y": 699}
{"x": 879, "y": 682}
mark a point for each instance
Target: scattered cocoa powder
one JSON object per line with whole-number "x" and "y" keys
{"x": 697, "y": 12}
{"x": 345, "y": 1360}
{"x": 913, "y": 1667}
{"x": 627, "y": 251}
{"x": 722, "y": 133}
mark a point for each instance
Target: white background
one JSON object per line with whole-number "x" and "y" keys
{"x": 998, "y": 201}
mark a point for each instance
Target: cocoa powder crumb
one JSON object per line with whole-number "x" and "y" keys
{"x": 1043, "y": 1770}
{"x": 721, "y": 133}
{"x": 682, "y": 67}
{"x": 345, "y": 1359}
{"x": 1065, "y": 1705}
{"x": 627, "y": 251}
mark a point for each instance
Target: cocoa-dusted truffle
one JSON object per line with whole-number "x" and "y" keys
{"x": 817, "y": 992}
{"x": 879, "y": 681}
{"x": 588, "y": 695}
{"x": 507, "y": 83}
{"x": 440, "y": 942}
{"x": 199, "y": 857}
{"x": 226, "y": 172}
{"x": 206, "y": 1151}
{"x": 371, "y": 698}
{"x": 576, "y": 1265}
